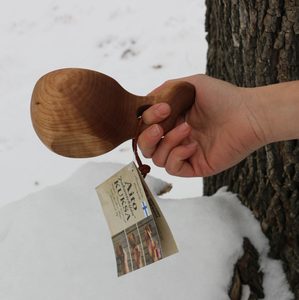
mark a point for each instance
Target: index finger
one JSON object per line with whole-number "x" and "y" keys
{"x": 156, "y": 113}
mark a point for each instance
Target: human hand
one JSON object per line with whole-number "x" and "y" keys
{"x": 221, "y": 128}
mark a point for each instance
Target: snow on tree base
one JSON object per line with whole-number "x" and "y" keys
{"x": 55, "y": 244}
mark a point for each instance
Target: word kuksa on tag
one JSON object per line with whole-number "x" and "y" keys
{"x": 139, "y": 231}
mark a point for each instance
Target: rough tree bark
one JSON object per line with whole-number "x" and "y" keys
{"x": 254, "y": 43}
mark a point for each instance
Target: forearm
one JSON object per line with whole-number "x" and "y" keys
{"x": 277, "y": 110}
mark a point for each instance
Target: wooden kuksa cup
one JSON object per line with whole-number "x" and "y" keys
{"x": 83, "y": 113}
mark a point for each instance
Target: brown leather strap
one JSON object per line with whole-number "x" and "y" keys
{"x": 144, "y": 169}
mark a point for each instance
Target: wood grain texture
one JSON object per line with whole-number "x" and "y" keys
{"x": 83, "y": 113}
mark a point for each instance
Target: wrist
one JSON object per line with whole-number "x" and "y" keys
{"x": 277, "y": 110}
{"x": 254, "y": 115}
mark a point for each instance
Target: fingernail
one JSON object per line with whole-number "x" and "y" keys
{"x": 184, "y": 127}
{"x": 154, "y": 130}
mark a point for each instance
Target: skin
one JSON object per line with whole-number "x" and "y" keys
{"x": 225, "y": 124}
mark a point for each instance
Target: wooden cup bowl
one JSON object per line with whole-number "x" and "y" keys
{"x": 83, "y": 113}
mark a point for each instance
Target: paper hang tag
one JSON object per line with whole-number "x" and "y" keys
{"x": 139, "y": 231}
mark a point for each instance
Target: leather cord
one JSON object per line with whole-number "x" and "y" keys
{"x": 143, "y": 168}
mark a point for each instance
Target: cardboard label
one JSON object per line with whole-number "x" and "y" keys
{"x": 139, "y": 231}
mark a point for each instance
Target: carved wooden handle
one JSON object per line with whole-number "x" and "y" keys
{"x": 179, "y": 95}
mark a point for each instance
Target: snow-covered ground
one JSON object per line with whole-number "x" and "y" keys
{"x": 139, "y": 43}
{"x": 55, "y": 244}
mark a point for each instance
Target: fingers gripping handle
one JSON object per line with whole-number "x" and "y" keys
{"x": 180, "y": 95}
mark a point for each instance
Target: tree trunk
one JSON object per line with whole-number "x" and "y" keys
{"x": 254, "y": 43}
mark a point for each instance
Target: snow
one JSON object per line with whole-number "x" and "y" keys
{"x": 55, "y": 244}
